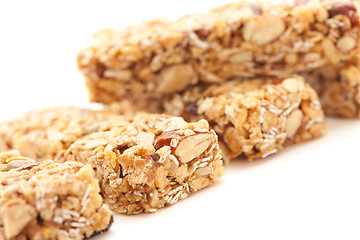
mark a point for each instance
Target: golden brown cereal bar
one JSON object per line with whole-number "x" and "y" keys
{"x": 49, "y": 200}
{"x": 58, "y": 126}
{"x": 242, "y": 39}
{"x": 256, "y": 117}
{"x": 142, "y": 164}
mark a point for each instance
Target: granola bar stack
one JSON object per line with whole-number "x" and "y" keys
{"x": 259, "y": 75}
{"x": 226, "y": 65}
{"x": 244, "y": 39}
{"x": 138, "y": 164}
{"x": 142, "y": 164}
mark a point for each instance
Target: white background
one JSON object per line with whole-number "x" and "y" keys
{"x": 308, "y": 191}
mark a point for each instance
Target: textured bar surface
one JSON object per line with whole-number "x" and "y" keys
{"x": 49, "y": 200}
{"x": 338, "y": 88}
{"x": 142, "y": 164}
{"x": 255, "y": 117}
{"x": 58, "y": 127}
{"x": 241, "y": 39}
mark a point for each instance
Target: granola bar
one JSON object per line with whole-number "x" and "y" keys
{"x": 254, "y": 118}
{"x": 338, "y": 88}
{"x": 142, "y": 164}
{"x": 59, "y": 127}
{"x": 241, "y": 39}
{"x": 49, "y": 200}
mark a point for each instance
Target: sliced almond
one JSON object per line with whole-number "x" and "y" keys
{"x": 241, "y": 57}
{"x": 346, "y": 43}
{"x": 192, "y": 146}
{"x": 203, "y": 171}
{"x": 175, "y": 78}
{"x": 293, "y": 84}
{"x": 4, "y": 156}
{"x": 15, "y": 219}
{"x": 263, "y": 30}
{"x": 17, "y": 164}
{"x": 145, "y": 139}
{"x": 118, "y": 75}
{"x": 330, "y": 51}
{"x": 95, "y": 143}
{"x": 154, "y": 199}
{"x": 293, "y": 123}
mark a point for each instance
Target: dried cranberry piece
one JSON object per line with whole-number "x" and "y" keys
{"x": 345, "y": 8}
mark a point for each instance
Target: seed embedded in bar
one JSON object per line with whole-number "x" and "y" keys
{"x": 192, "y": 146}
